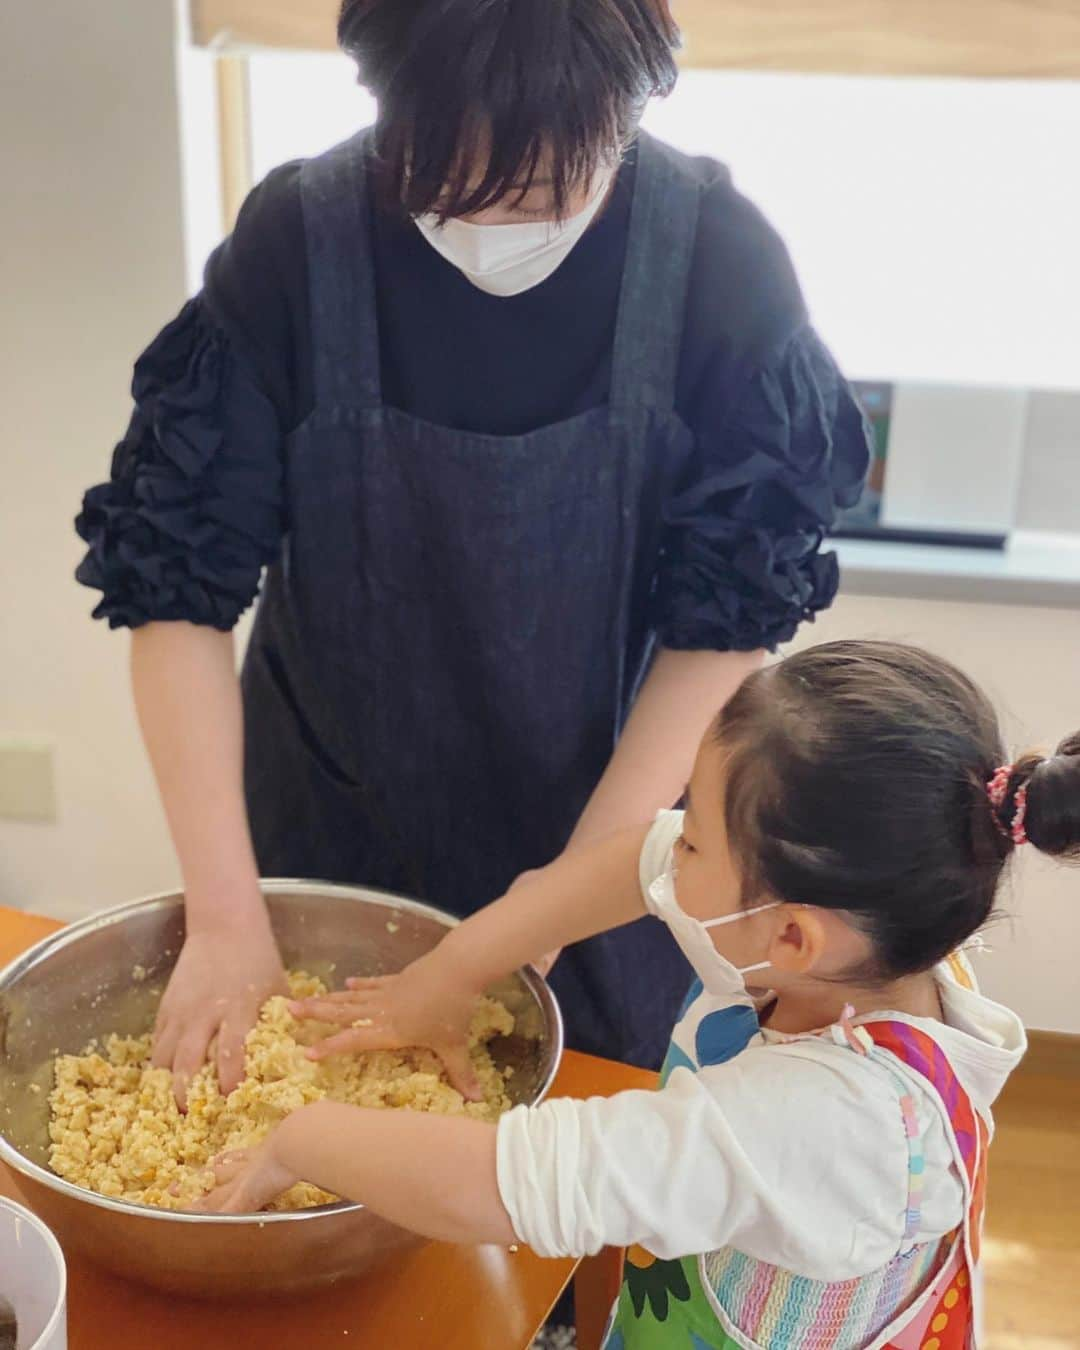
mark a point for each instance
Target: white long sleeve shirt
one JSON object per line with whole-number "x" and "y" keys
{"x": 792, "y": 1152}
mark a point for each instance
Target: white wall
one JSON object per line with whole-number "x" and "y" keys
{"x": 1028, "y": 660}
{"x": 92, "y": 254}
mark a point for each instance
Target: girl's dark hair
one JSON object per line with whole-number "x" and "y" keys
{"x": 857, "y": 780}
{"x": 473, "y": 94}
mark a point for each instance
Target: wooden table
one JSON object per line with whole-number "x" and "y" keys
{"x": 436, "y": 1298}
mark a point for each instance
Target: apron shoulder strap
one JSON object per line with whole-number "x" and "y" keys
{"x": 921, "y": 1054}
{"x": 946, "y": 1316}
{"x": 335, "y": 199}
{"x": 335, "y": 195}
{"x": 656, "y": 279}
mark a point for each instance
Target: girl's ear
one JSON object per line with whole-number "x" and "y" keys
{"x": 799, "y": 943}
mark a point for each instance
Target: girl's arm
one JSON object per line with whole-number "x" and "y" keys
{"x": 783, "y": 1148}
{"x": 581, "y": 894}
{"x": 651, "y": 765}
{"x": 434, "y": 1175}
{"x": 432, "y": 1001}
{"x": 652, "y": 762}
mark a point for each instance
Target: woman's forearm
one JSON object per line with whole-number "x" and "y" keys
{"x": 652, "y": 762}
{"x": 431, "y": 1174}
{"x": 188, "y": 699}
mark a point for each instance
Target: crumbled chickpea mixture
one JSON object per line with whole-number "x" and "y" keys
{"x": 115, "y": 1127}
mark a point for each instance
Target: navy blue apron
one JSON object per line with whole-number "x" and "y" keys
{"x": 444, "y": 656}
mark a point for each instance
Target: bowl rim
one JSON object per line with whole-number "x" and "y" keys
{"x": 106, "y": 918}
{"x": 57, "y": 1253}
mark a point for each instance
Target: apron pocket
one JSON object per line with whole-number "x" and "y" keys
{"x": 277, "y": 680}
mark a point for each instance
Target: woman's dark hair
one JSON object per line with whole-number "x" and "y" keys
{"x": 857, "y": 780}
{"x": 475, "y": 94}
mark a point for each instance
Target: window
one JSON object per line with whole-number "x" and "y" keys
{"x": 933, "y": 221}
{"x": 302, "y": 104}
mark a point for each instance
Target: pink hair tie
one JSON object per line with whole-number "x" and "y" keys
{"x": 997, "y": 789}
{"x": 1019, "y": 828}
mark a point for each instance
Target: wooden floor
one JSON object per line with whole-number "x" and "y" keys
{"x": 1031, "y": 1256}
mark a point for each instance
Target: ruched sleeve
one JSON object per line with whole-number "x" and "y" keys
{"x": 742, "y": 565}
{"x": 193, "y": 509}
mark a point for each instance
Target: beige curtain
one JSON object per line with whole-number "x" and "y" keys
{"x": 1011, "y": 38}
{"x": 243, "y": 24}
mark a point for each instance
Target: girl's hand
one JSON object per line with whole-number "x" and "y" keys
{"x": 544, "y": 963}
{"x": 423, "y": 1006}
{"x": 247, "y": 1180}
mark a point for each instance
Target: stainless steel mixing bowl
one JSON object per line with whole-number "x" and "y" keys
{"x": 83, "y": 982}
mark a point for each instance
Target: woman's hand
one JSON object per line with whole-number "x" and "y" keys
{"x": 222, "y": 979}
{"x": 423, "y": 1006}
{"x": 247, "y": 1180}
{"x": 188, "y": 700}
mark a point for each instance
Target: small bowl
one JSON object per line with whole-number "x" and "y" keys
{"x": 33, "y": 1278}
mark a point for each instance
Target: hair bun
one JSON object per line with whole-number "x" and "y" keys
{"x": 1052, "y": 819}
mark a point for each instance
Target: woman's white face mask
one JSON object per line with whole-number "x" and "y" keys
{"x": 719, "y": 976}
{"x": 507, "y": 260}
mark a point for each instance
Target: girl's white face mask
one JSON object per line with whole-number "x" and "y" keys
{"x": 719, "y": 976}
{"x": 506, "y": 260}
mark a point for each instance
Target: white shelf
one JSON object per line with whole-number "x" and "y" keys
{"x": 1034, "y": 569}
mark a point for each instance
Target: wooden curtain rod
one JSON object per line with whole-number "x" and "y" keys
{"x": 1033, "y": 39}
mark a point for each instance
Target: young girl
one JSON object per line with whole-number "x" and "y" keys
{"x": 812, "y": 1172}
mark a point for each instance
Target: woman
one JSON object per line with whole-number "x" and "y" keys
{"x": 523, "y": 415}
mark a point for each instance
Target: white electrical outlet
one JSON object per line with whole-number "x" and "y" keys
{"x": 27, "y": 784}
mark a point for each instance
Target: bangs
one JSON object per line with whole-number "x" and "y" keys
{"x": 482, "y": 100}
{"x": 449, "y": 170}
